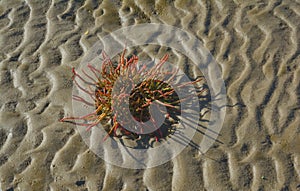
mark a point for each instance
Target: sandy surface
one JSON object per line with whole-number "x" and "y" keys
{"x": 255, "y": 43}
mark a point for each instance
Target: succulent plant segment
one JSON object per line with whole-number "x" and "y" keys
{"x": 126, "y": 89}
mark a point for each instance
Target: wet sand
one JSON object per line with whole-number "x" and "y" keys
{"x": 255, "y": 43}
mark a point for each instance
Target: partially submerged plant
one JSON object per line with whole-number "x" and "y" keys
{"x": 139, "y": 88}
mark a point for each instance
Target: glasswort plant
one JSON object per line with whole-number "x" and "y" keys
{"x": 139, "y": 88}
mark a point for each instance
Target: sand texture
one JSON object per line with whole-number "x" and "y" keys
{"x": 256, "y": 44}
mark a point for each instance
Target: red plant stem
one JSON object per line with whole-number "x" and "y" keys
{"x": 82, "y": 117}
{"x": 94, "y": 70}
{"x": 91, "y": 125}
{"x": 94, "y": 81}
{"x": 90, "y": 93}
{"x": 165, "y": 104}
{"x": 77, "y": 98}
{"x": 187, "y": 83}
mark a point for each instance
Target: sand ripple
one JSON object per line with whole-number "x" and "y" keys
{"x": 256, "y": 45}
